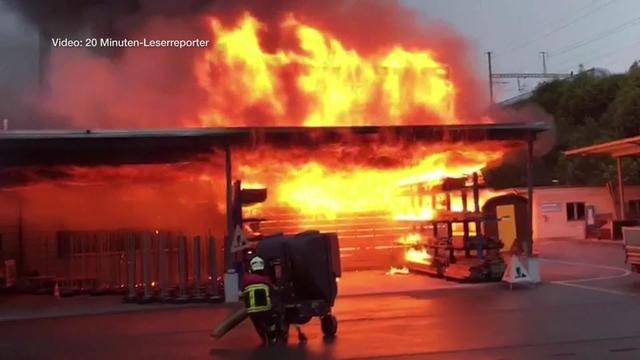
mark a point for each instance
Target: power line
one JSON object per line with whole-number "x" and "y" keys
{"x": 563, "y": 26}
{"x": 599, "y": 36}
{"x": 600, "y": 55}
{"x": 557, "y": 20}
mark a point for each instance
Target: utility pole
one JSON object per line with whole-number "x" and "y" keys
{"x": 544, "y": 61}
{"x": 490, "y": 77}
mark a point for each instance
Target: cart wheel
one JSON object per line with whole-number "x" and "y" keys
{"x": 329, "y": 325}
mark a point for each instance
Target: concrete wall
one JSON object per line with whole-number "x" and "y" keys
{"x": 550, "y": 214}
{"x": 550, "y": 203}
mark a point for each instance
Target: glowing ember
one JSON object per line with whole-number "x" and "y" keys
{"x": 316, "y": 78}
{"x": 398, "y": 271}
{"x": 417, "y": 255}
{"x": 410, "y": 239}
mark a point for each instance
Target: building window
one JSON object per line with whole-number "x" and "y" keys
{"x": 634, "y": 208}
{"x": 575, "y": 211}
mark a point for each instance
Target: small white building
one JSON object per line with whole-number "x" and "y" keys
{"x": 579, "y": 212}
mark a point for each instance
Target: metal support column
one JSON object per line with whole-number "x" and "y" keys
{"x": 476, "y": 203}
{"x": 529, "y": 241}
{"x": 465, "y": 224}
{"x": 620, "y": 187}
{"x": 228, "y": 256}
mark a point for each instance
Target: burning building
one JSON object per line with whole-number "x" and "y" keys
{"x": 333, "y": 119}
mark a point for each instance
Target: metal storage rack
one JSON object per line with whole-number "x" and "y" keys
{"x": 471, "y": 256}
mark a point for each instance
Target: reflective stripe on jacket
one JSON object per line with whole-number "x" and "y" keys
{"x": 257, "y": 298}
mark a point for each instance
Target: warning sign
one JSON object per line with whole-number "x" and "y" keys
{"x": 239, "y": 241}
{"x": 516, "y": 272}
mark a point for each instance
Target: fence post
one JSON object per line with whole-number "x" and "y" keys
{"x": 197, "y": 281}
{"x": 131, "y": 268}
{"x": 163, "y": 268}
{"x": 182, "y": 269}
{"x": 213, "y": 271}
{"x": 146, "y": 267}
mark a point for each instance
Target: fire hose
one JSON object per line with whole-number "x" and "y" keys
{"x": 229, "y": 323}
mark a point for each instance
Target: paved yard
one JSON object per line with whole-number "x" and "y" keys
{"x": 587, "y": 308}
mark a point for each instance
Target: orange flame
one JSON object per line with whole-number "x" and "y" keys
{"x": 318, "y": 80}
{"x": 328, "y": 187}
{"x": 410, "y": 239}
{"x": 398, "y": 271}
{"x": 417, "y": 255}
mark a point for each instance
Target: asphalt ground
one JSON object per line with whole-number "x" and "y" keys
{"x": 588, "y": 307}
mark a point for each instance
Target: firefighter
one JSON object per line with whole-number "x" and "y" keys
{"x": 261, "y": 305}
{"x": 257, "y": 287}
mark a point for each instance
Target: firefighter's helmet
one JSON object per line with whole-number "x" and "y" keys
{"x": 257, "y": 264}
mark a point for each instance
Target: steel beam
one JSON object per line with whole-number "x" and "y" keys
{"x": 529, "y": 249}
{"x": 620, "y": 187}
{"x": 228, "y": 256}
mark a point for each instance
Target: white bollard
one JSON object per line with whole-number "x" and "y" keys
{"x": 533, "y": 267}
{"x": 231, "y": 293}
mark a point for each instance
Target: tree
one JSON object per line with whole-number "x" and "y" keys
{"x": 587, "y": 109}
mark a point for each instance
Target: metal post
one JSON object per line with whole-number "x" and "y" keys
{"x": 228, "y": 257}
{"x": 182, "y": 269}
{"x": 146, "y": 268}
{"x": 449, "y": 223}
{"x": 213, "y": 271}
{"x": 131, "y": 267}
{"x": 196, "y": 269}
{"x": 465, "y": 224}
{"x": 490, "y": 78}
{"x": 20, "y": 267}
{"x": 529, "y": 243}
{"x": 476, "y": 203}
{"x": 163, "y": 262}
{"x": 620, "y": 187}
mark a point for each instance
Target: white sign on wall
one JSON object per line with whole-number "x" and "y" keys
{"x": 550, "y": 207}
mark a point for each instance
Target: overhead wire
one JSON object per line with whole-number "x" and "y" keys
{"x": 563, "y": 26}
{"x": 600, "y": 36}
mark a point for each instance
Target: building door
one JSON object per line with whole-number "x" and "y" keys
{"x": 506, "y": 224}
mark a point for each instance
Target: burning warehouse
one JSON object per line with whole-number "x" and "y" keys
{"x": 369, "y": 227}
{"x": 338, "y": 125}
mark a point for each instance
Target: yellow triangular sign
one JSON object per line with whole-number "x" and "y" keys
{"x": 515, "y": 272}
{"x": 239, "y": 240}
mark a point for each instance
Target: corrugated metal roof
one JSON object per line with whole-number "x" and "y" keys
{"x": 623, "y": 147}
{"x": 112, "y": 147}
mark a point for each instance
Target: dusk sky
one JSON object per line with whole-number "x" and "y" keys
{"x": 596, "y": 33}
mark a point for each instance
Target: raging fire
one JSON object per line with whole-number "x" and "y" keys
{"x": 315, "y": 80}
{"x": 312, "y": 78}
{"x": 260, "y": 72}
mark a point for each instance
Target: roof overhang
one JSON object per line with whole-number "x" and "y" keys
{"x": 116, "y": 147}
{"x": 624, "y": 147}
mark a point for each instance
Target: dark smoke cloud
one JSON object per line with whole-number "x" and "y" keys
{"x": 133, "y": 88}
{"x": 98, "y": 17}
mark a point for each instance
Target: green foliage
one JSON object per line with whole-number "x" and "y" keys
{"x": 587, "y": 110}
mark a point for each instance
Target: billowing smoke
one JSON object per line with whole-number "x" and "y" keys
{"x": 159, "y": 87}
{"x": 140, "y": 87}
{"x": 99, "y": 18}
